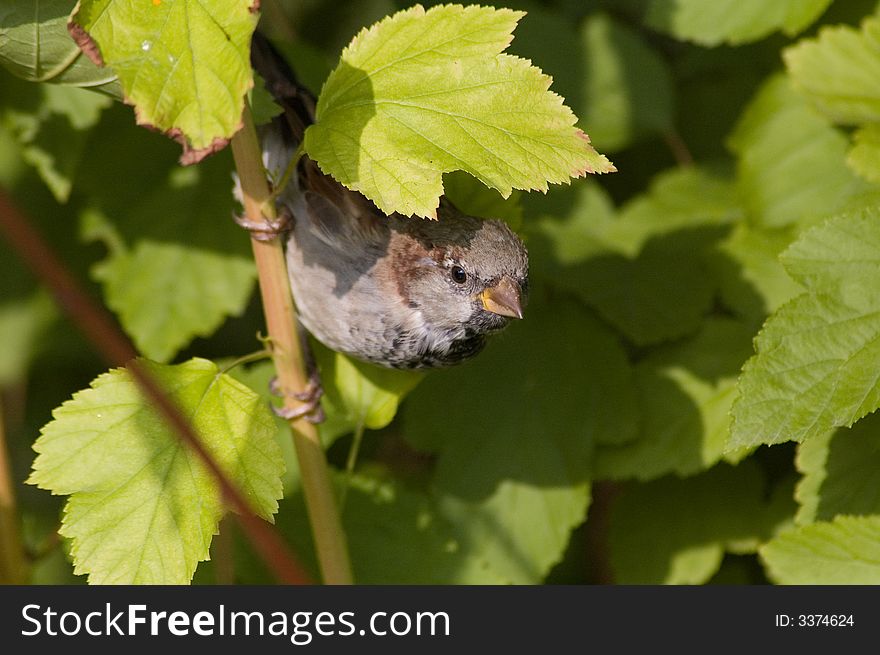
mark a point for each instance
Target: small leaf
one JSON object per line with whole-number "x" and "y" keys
{"x": 35, "y": 45}
{"x": 841, "y": 472}
{"x": 839, "y": 71}
{"x": 53, "y": 124}
{"x": 357, "y": 394}
{"x": 142, "y": 507}
{"x": 843, "y": 552}
{"x": 173, "y": 279}
{"x": 790, "y": 159}
{"x": 732, "y": 21}
{"x": 659, "y": 295}
{"x": 422, "y": 93}
{"x": 162, "y": 314}
{"x": 184, "y": 65}
{"x": 817, "y": 357}
{"x": 864, "y": 156}
{"x": 23, "y": 323}
{"x": 752, "y": 281}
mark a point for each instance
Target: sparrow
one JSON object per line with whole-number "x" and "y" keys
{"x": 396, "y": 291}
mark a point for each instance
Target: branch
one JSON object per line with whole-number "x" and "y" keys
{"x": 281, "y": 322}
{"x": 100, "y": 329}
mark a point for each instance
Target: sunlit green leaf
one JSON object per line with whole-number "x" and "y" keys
{"x": 142, "y": 507}
{"x": 426, "y": 92}
{"x": 817, "y": 356}
{"x": 845, "y": 551}
{"x": 184, "y": 65}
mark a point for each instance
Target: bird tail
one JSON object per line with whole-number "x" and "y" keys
{"x": 281, "y": 82}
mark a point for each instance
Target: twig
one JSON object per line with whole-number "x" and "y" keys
{"x": 12, "y": 560}
{"x": 280, "y": 313}
{"x": 109, "y": 341}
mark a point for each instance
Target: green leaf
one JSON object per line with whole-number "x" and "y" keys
{"x": 257, "y": 378}
{"x": 184, "y": 65}
{"x": 845, "y": 551}
{"x": 689, "y": 523}
{"x": 677, "y": 199}
{"x": 35, "y": 45}
{"x": 661, "y": 294}
{"x": 840, "y": 472}
{"x": 23, "y": 323}
{"x": 645, "y": 270}
{"x": 422, "y": 93}
{"x": 685, "y": 394}
{"x": 142, "y": 507}
{"x": 514, "y": 431}
{"x": 395, "y": 535}
{"x": 817, "y": 357}
{"x": 790, "y": 159}
{"x": 628, "y": 85}
{"x": 732, "y": 21}
{"x": 751, "y": 278}
{"x": 161, "y": 313}
{"x": 358, "y": 395}
{"x": 839, "y": 71}
{"x": 864, "y": 156}
{"x": 53, "y": 123}
{"x": 474, "y": 198}
{"x": 173, "y": 279}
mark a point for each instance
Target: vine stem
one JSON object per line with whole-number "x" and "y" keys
{"x": 12, "y": 561}
{"x": 281, "y": 322}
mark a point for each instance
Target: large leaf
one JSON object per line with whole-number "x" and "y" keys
{"x": 514, "y": 431}
{"x": 685, "y": 394}
{"x": 732, "y": 21}
{"x": 142, "y": 507}
{"x": 35, "y": 45}
{"x": 675, "y": 531}
{"x": 184, "y": 65}
{"x": 845, "y": 551}
{"x": 817, "y": 357}
{"x": 426, "y": 92}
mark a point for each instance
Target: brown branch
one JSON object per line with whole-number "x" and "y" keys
{"x": 12, "y": 559}
{"x": 108, "y": 340}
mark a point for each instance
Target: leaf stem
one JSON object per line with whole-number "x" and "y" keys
{"x": 281, "y": 321}
{"x": 350, "y": 461}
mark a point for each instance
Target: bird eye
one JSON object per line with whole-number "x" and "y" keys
{"x": 458, "y": 274}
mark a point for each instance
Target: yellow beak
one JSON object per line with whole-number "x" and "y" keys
{"x": 503, "y": 298}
